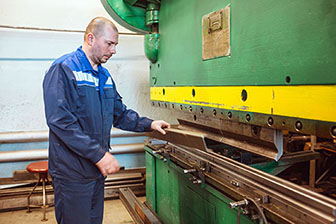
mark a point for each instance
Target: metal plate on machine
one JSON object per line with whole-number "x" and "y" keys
{"x": 267, "y": 142}
{"x": 216, "y": 34}
{"x": 182, "y": 136}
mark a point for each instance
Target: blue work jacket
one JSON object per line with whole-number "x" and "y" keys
{"x": 81, "y": 105}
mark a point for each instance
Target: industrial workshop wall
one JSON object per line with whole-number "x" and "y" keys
{"x": 32, "y": 35}
{"x": 26, "y": 54}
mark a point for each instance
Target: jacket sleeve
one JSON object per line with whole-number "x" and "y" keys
{"x": 128, "y": 119}
{"x": 60, "y": 95}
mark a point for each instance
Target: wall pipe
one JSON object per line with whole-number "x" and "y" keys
{"x": 40, "y": 154}
{"x": 43, "y": 136}
{"x": 56, "y": 30}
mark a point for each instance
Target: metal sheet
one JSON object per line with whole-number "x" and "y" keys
{"x": 266, "y": 142}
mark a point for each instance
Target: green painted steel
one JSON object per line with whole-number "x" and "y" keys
{"x": 152, "y": 14}
{"x": 151, "y": 46}
{"x": 131, "y": 2}
{"x": 132, "y": 18}
{"x": 150, "y": 180}
{"x": 270, "y": 41}
{"x": 273, "y": 167}
{"x": 180, "y": 201}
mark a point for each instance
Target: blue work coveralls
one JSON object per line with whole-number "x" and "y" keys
{"x": 81, "y": 105}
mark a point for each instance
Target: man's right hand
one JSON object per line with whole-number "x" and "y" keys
{"x": 108, "y": 164}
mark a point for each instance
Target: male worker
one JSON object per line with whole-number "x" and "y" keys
{"x": 81, "y": 105}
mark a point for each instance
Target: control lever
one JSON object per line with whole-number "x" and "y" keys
{"x": 239, "y": 203}
{"x": 189, "y": 170}
{"x": 158, "y": 151}
{"x": 197, "y": 181}
{"x": 250, "y": 201}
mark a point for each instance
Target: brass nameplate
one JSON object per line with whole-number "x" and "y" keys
{"x": 216, "y": 34}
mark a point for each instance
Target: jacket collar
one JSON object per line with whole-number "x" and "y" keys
{"x": 85, "y": 63}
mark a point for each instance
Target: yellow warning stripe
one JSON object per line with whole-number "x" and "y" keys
{"x": 315, "y": 102}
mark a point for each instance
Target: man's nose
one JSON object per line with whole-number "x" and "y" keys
{"x": 113, "y": 50}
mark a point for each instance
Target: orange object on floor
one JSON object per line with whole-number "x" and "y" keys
{"x": 41, "y": 168}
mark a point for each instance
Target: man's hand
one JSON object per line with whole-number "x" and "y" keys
{"x": 159, "y": 125}
{"x": 108, "y": 164}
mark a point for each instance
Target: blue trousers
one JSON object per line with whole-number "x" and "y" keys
{"x": 79, "y": 202}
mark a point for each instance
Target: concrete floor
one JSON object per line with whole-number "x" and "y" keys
{"x": 114, "y": 213}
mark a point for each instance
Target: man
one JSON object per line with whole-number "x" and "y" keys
{"x": 81, "y": 105}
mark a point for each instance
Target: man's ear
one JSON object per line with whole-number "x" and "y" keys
{"x": 89, "y": 39}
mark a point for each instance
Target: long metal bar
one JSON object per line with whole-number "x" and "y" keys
{"x": 139, "y": 212}
{"x": 311, "y": 204}
{"x": 39, "y": 154}
{"x": 15, "y": 196}
{"x": 286, "y": 200}
{"x": 129, "y": 199}
{"x": 56, "y": 30}
{"x": 312, "y": 163}
{"x": 23, "y": 155}
{"x": 43, "y": 136}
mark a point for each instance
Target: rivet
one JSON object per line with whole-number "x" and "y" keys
{"x": 298, "y": 125}
{"x": 333, "y": 131}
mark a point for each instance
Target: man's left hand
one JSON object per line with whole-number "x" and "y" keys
{"x": 159, "y": 125}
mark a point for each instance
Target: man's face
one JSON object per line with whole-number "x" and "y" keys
{"x": 104, "y": 45}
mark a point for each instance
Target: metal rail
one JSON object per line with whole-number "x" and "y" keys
{"x": 55, "y": 30}
{"x": 281, "y": 200}
{"x": 139, "y": 212}
{"x": 43, "y": 136}
{"x": 39, "y": 154}
{"x": 14, "y": 196}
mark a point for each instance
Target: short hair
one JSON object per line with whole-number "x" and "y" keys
{"x": 97, "y": 25}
